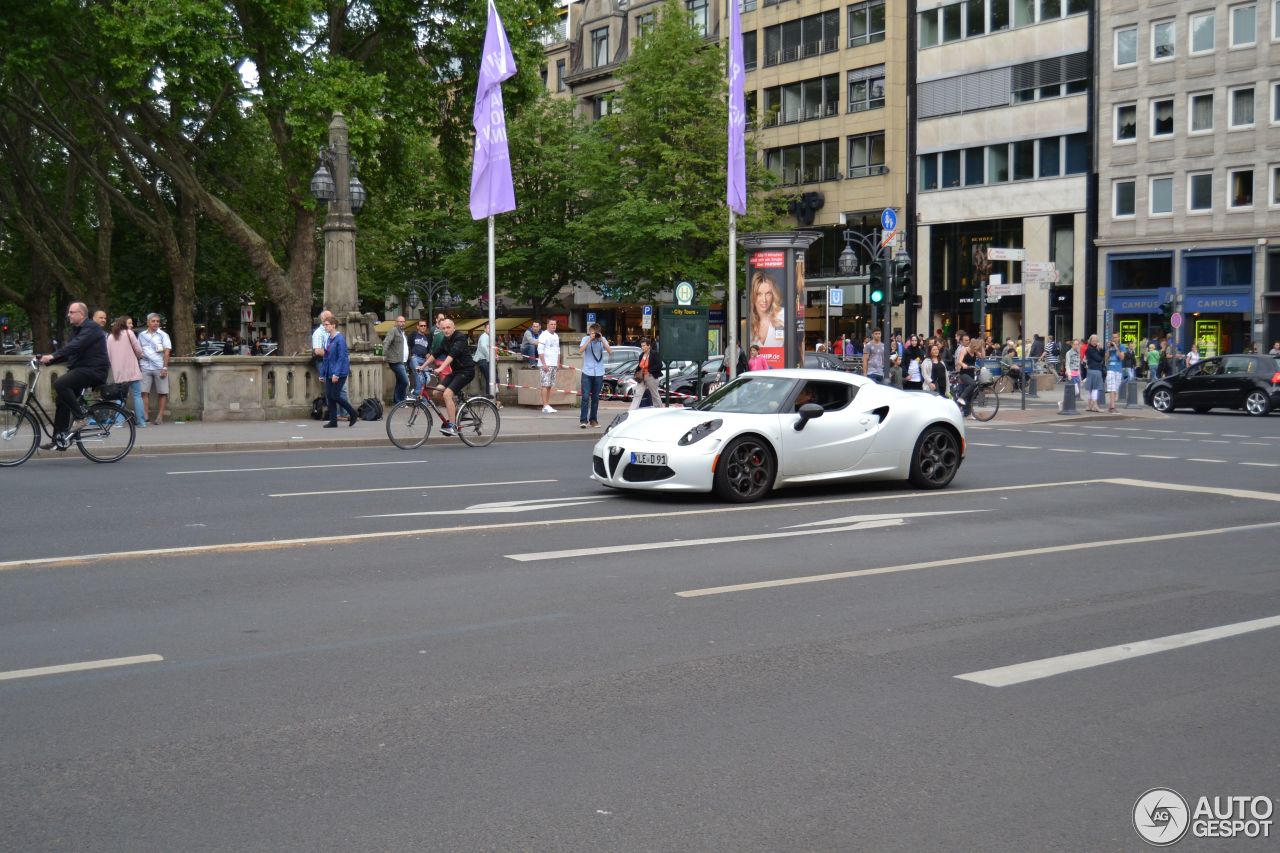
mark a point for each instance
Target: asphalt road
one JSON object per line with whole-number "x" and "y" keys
{"x": 379, "y": 650}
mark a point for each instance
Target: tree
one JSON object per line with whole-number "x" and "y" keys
{"x": 659, "y": 213}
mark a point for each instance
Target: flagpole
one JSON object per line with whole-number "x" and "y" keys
{"x": 493, "y": 325}
{"x": 731, "y": 351}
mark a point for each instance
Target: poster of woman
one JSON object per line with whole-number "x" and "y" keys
{"x": 767, "y": 326}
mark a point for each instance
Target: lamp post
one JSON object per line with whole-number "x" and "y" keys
{"x": 878, "y": 260}
{"x": 335, "y": 182}
{"x": 434, "y": 289}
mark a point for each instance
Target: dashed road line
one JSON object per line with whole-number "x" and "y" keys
{"x": 1195, "y": 459}
{"x": 1107, "y": 453}
{"x": 1021, "y": 447}
{"x": 78, "y": 667}
{"x": 1262, "y": 464}
{"x": 1065, "y": 450}
{"x": 1154, "y": 456}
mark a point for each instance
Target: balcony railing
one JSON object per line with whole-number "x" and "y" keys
{"x": 802, "y": 51}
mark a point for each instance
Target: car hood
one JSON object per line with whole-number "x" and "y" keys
{"x": 662, "y": 425}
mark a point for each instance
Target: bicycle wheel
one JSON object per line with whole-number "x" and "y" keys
{"x": 478, "y": 422}
{"x": 409, "y": 423}
{"x": 1003, "y": 385}
{"x": 985, "y": 403}
{"x": 109, "y": 435}
{"x": 19, "y": 435}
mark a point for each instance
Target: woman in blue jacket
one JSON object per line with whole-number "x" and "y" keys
{"x": 334, "y": 371}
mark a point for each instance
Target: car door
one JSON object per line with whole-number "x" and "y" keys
{"x": 834, "y": 442}
{"x": 1195, "y": 386}
{"x": 1237, "y": 380}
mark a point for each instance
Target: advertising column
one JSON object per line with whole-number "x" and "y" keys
{"x": 774, "y": 313}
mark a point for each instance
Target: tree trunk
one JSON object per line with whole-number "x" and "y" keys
{"x": 180, "y": 257}
{"x": 36, "y": 303}
{"x": 295, "y": 307}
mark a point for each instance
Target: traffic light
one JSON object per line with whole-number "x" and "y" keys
{"x": 876, "y": 281}
{"x": 901, "y": 282}
{"x": 1166, "y": 315}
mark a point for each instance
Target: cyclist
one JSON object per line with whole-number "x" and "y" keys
{"x": 456, "y": 368}
{"x": 87, "y": 366}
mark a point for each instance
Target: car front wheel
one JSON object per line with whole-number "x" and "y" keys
{"x": 1257, "y": 403}
{"x": 936, "y": 459}
{"x": 1162, "y": 400}
{"x": 745, "y": 470}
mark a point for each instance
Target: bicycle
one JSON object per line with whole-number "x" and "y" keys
{"x": 108, "y": 435}
{"x": 409, "y": 421}
{"x": 984, "y": 402}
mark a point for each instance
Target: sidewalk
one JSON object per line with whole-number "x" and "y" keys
{"x": 519, "y": 423}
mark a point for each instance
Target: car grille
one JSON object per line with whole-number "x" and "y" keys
{"x": 598, "y": 464}
{"x": 646, "y": 473}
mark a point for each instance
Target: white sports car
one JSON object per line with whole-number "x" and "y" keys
{"x": 782, "y": 428}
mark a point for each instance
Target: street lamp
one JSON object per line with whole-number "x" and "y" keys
{"x": 878, "y": 259}
{"x": 434, "y": 289}
{"x": 335, "y": 182}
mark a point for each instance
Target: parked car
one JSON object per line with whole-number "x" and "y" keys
{"x": 209, "y": 348}
{"x": 824, "y": 361}
{"x": 1249, "y": 382}
{"x": 692, "y": 382}
{"x": 784, "y": 427}
{"x": 618, "y": 375}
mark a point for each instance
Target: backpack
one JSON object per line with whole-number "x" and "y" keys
{"x": 319, "y": 411}
{"x": 370, "y": 409}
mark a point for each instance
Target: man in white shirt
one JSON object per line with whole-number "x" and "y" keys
{"x": 156, "y": 348}
{"x": 548, "y": 363}
{"x": 395, "y": 349}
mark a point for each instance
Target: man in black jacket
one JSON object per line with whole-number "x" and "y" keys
{"x": 453, "y": 353}
{"x": 87, "y": 366}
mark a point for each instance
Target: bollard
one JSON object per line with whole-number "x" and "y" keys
{"x": 1030, "y": 379}
{"x": 1068, "y": 406}
{"x": 1131, "y": 394}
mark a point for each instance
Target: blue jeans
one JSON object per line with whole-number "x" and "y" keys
{"x": 139, "y": 410}
{"x": 591, "y": 388}
{"x": 402, "y": 382}
{"x": 414, "y": 363}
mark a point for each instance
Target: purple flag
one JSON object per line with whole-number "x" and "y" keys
{"x": 492, "y": 190}
{"x": 736, "y": 191}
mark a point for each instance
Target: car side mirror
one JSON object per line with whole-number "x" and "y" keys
{"x": 807, "y": 412}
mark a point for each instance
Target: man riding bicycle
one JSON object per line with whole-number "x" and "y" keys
{"x": 87, "y": 366}
{"x": 455, "y": 367}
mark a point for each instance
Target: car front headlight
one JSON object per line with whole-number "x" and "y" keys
{"x": 700, "y": 432}
{"x": 618, "y": 419}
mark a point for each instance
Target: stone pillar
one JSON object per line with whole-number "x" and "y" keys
{"x": 340, "y": 294}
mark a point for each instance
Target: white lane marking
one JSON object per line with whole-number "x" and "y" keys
{"x": 1248, "y": 494}
{"x": 1175, "y": 439}
{"x": 1212, "y": 441}
{"x": 1065, "y": 450}
{"x": 1004, "y": 676}
{"x": 1081, "y": 434}
{"x": 410, "y": 488}
{"x": 1233, "y": 435}
{"x": 1262, "y": 464}
{"x": 1162, "y": 430}
{"x": 1256, "y": 443}
{"x": 1199, "y": 433}
{"x": 1126, "y": 429}
{"x": 78, "y": 667}
{"x": 504, "y": 506}
{"x": 1021, "y": 447}
{"x": 855, "y": 519}
{"x": 976, "y": 559}
{"x": 1006, "y": 429}
{"x": 350, "y": 538}
{"x": 1154, "y": 456}
{"x": 1143, "y": 437}
{"x": 1194, "y": 459}
{"x": 1107, "y": 453}
{"x": 983, "y": 444}
{"x": 301, "y": 467}
{"x": 1043, "y": 431}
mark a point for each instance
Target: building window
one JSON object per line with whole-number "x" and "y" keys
{"x": 1141, "y": 272}
{"x": 802, "y": 101}
{"x": 1077, "y": 154}
{"x": 866, "y": 23}
{"x": 602, "y": 105}
{"x": 1043, "y": 78}
{"x": 866, "y": 155}
{"x": 1200, "y": 112}
{"x": 1024, "y": 160}
{"x": 699, "y": 16}
{"x": 929, "y": 172}
{"x": 1123, "y": 202}
{"x": 1275, "y": 21}
{"x": 1126, "y": 47}
{"x": 1244, "y": 25}
{"x": 1050, "y": 157}
{"x": 1241, "y": 101}
{"x": 600, "y": 47}
{"x": 997, "y": 164}
{"x": 951, "y": 29}
{"x": 975, "y": 161}
{"x": 1161, "y": 196}
{"x": 866, "y": 88}
{"x": 1275, "y": 186}
{"x": 1162, "y": 118}
{"x": 1275, "y": 101}
{"x": 1024, "y": 13}
{"x": 748, "y": 50}
{"x": 1050, "y": 9}
{"x": 646, "y": 21}
{"x": 1126, "y": 122}
{"x": 1163, "y": 36}
{"x": 802, "y": 38}
{"x": 1202, "y": 35}
{"x": 1200, "y": 192}
{"x": 810, "y": 162}
{"x": 1218, "y": 269}
{"x": 560, "y": 72}
{"x": 975, "y": 18}
{"x": 1240, "y": 186}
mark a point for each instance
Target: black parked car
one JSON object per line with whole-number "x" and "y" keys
{"x": 1249, "y": 382}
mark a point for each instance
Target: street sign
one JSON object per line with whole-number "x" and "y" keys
{"x": 684, "y": 293}
{"x": 1176, "y": 320}
{"x": 1045, "y": 272}
{"x": 1013, "y": 288}
{"x": 246, "y": 315}
{"x": 684, "y": 333}
{"x": 996, "y": 253}
{"x": 647, "y": 310}
{"x": 591, "y": 317}
{"x": 4, "y": 319}
{"x": 836, "y": 297}
{"x": 889, "y": 219}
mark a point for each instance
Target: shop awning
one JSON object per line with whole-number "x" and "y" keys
{"x": 385, "y": 326}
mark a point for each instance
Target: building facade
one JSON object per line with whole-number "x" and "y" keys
{"x": 1001, "y": 104}
{"x": 1189, "y": 170}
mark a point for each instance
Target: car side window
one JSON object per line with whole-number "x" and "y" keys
{"x": 1237, "y": 365}
{"x": 1212, "y": 367}
{"x": 832, "y": 396}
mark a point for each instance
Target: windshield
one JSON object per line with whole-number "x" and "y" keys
{"x": 755, "y": 394}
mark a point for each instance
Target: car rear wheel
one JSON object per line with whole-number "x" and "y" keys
{"x": 1162, "y": 400}
{"x": 745, "y": 470}
{"x": 936, "y": 458}
{"x": 1257, "y": 403}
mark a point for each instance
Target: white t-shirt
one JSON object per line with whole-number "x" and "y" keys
{"x": 153, "y": 346}
{"x": 549, "y": 348}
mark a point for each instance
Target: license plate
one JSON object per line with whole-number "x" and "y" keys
{"x": 648, "y": 459}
